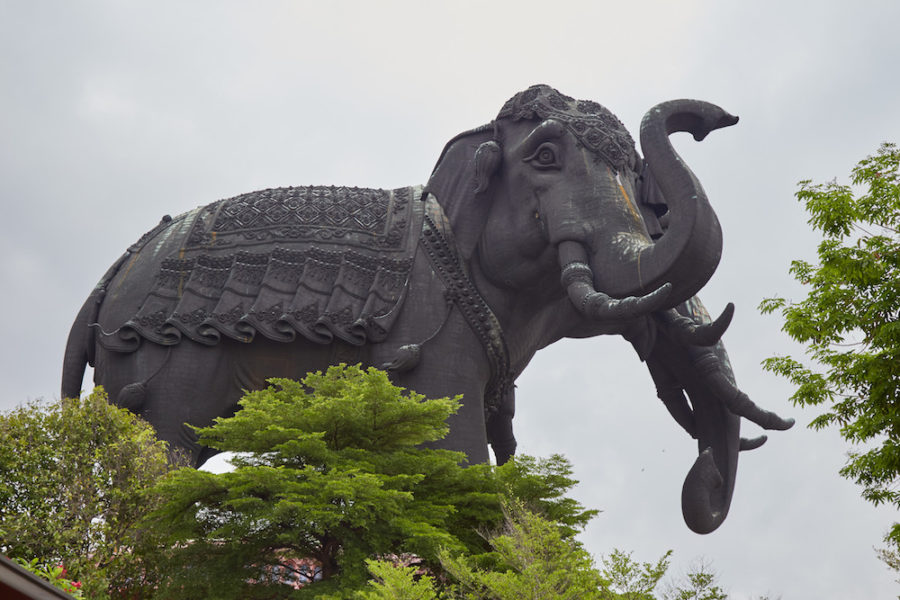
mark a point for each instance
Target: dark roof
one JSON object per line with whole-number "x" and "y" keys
{"x": 18, "y": 584}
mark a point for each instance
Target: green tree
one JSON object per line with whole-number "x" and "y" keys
{"x": 698, "y": 584}
{"x": 395, "y": 582}
{"x": 535, "y": 560}
{"x": 332, "y": 469}
{"x": 74, "y": 479}
{"x": 848, "y": 321}
{"x": 541, "y": 484}
{"x": 631, "y": 580}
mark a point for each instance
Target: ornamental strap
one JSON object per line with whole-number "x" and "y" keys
{"x": 437, "y": 240}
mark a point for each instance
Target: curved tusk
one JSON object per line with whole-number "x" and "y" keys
{"x": 578, "y": 280}
{"x": 740, "y": 404}
{"x": 687, "y": 331}
{"x": 736, "y": 401}
{"x": 752, "y": 443}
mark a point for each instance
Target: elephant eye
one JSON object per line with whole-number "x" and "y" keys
{"x": 545, "y": 156}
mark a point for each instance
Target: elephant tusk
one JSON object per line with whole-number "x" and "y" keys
{"x": 752, "y": 443}
{"x": 578, "y": 280}
{"x": 687, "y": 331}
{"x": 740, "y": 404}
{"x": 597, "y": 305}
{"x": 736, "y": 401}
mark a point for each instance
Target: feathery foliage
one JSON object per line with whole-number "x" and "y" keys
{"x": 333, "y": 469}
{"x": 848, "y": 321}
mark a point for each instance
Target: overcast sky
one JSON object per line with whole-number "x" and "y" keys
{"x": 115, "y": 113}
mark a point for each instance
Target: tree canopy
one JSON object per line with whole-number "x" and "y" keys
{"x": 848, "y": 321}
{"x": 330, "y": 472}
{"x": 535, "y": 560}
{"x": 74, "y": 479}
{"x": 333, "y": 496}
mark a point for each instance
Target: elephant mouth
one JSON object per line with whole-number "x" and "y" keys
{"x": 578, "y": 281}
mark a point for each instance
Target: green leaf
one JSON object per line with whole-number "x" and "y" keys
{"x": 76, "y": 479}
{"x": 848, "y": 320}
{"x": 332, "y": 470}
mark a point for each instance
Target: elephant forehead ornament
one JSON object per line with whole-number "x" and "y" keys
{"x": 544, "y": 224}
{"x": 592, "y": 125}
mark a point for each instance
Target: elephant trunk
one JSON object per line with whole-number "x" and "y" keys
{"x": 709, "y": 485}
{"x": 689, "y": 251}
{"x": 705, "y": 498}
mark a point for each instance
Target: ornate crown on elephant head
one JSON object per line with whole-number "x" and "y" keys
{"x": 591, "y": 123}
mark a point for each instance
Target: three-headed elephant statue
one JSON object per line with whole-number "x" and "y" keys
{"x": 545, "y": 223}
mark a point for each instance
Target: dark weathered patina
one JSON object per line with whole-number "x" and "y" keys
{"x": 544, "y": 224}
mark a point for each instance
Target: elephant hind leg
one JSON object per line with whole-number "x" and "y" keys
{"x": 171, "y": 387}
{"x": 183, "y": 446}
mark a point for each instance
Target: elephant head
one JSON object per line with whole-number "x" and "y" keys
{"x": 551, "y": 186}
{"x": 560, "y": 176}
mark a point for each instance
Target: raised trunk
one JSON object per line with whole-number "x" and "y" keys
{"x": 687, "y": 254}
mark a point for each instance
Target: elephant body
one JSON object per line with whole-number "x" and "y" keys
{"x": 539, "y": 226}
{"x": 184, "y": 327}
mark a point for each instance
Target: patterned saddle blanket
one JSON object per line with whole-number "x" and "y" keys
{"x": 324, "y": 263}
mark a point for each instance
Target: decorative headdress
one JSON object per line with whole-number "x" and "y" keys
{"x": 592, "y": 125}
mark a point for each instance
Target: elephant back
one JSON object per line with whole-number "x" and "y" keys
{"x": 323, "y": 263}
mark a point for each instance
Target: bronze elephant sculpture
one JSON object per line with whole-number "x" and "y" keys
{"x": 544, "y": 224}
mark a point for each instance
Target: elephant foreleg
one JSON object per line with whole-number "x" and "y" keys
{"x": 500, "y": 429}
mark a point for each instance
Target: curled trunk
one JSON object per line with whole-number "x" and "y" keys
{"x": 688, "y": 253}
{"x": 709, "y": 485}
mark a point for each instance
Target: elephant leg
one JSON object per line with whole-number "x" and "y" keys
{"x": 448, "y": 374}
{"x": 468, "y": 431}
{"x": 500, "y": 429}
{"x": 173, "y": 388}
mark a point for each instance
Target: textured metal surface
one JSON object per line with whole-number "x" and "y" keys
{"x": 315, "y": 262}
{"x": 453, "y": 288}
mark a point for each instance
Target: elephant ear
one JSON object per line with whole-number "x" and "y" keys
{"x": 459, "y": 182}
